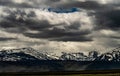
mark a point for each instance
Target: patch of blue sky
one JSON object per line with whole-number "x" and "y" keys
{"x": 62, "y": 10}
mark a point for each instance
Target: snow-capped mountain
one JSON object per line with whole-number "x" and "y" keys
{"x": 113, "y": 55}
{"x": 75, "y": 56}
{"x": 28, "y": 53}
{"x": 23, "y": 53}
{"x": 32, "y": 54}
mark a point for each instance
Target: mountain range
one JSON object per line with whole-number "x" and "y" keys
{"x": 26, "y": 54}
{"x": 31, "y": 60}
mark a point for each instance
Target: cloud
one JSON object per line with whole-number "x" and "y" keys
{"x": 80, "y": 4}
{"x": 29, "y": 23}
{"x": 62, "y": 36}
{"x": 6, "y": 39}
{"x": 57, "y": 3}
{"x": 50, "y": 25}
{"x": 106, "y": 38}
{"x": 109, "y": 1}
{"x": 13, "y": 3}
{"x": 108, "y": 19}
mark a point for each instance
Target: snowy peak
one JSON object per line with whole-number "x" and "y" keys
{"x": 22, "y": 53}
{"x": 32, "y": 54}
{"x": 72, "y": 56}
{"x": 75, "y": 56}
{"x": 9, "y": 55}
{"x": 114, "y": 55}
{"x": 93, "y": 54}
{"x": 28, "y": 49}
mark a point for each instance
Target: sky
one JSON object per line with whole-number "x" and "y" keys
{"x": 60, "y": 25}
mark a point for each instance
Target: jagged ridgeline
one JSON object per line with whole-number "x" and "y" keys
{"x": 27, "y": 54}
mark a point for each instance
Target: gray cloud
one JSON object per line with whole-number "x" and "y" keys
{"x": 6, "y": 39}
{"x": 108, "y": 19}
{"x": 20, "y": 21}
{"x": 84, "y": 5}
{"x": 75, "y": 38}
{"x": 11, "y": 3}
{"x": 32, "y": 24}
{"x": 62, "y": 35}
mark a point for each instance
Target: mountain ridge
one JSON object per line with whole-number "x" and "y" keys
{"x": 29, "y": 53}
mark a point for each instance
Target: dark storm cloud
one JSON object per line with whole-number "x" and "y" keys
{"x": 28, "y": 24}
{"x": 62, "y": 35}
{"x": 52, "y": 4}
{"x": 84, "y": 5}
{"x": 93, "y": 4}
{"x": 70, "y": 33}
{"x": 6, "y": 39}
{"x": 23, "y": 22}
{"x": 108, "y": 19}
{"x": 19, "y": 21}
{"x": 73, "y": 38}
{"x": 27, "y": 3}
{"x": 115, "y": 37}
{"x": 106, "y": 14}
{"x": 11, "y": 3}
{"x": 5, "y": 2}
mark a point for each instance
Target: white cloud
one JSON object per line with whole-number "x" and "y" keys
{"x": 103, "y": 1}
{"x": 108, "y": 32}
{"x": 107, "y": 1}
{"x": 60, "y": 21}
{"x": 18, "y": 1}
{"x": 66, "y": 19}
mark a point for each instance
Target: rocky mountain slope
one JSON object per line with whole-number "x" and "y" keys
{"x": 24, "y": 54}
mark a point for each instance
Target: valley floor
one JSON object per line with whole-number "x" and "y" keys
{"x": 110, "y": 74}
{"x": 80, "y": 73}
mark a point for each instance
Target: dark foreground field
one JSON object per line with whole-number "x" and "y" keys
{"x": 80, "y": 73}
{"x": 59, "y": 68}
{"x": 56, "y": 65}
